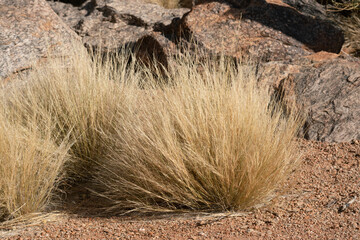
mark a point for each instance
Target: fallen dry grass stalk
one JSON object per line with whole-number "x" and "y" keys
{"x": 28, "y": 220}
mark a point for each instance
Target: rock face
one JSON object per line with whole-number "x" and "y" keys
{"x": 327, "y": 87}
{"x": 331, "y": 92}
{"x": 268, "y": 31}
{"x": 30, "y": 31}
{"x": 113, "y": 23}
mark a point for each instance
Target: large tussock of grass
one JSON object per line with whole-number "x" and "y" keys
{"x": 198, "y": 137}
{"x": 207, "y": 139}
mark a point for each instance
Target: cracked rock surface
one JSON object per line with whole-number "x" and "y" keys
{"x": 324, "y": 85}
{"x": 111, "y": 24}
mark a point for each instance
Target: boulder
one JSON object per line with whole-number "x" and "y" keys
{"x": 111, "y": 24}
{"x": 266, "y": 30}
{"x": 29, "y": 32}
{"x": 324, "y": 85}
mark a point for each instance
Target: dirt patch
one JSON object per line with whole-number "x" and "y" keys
{"x": 320, "y": 201}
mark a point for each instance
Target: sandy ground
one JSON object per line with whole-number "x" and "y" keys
{"x": 320, "y": 201}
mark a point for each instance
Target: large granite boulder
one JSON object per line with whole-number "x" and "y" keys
{"x": 29, "y": 32}
{"x": 113, "y": 23}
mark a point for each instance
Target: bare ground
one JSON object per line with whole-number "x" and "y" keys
{"x": 320, "y": 201}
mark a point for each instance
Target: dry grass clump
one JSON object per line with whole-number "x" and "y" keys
{"x": 344, "y": 5}
{"x": 165, "y": 3}
{"x": 31, "y": 163}
{"x": 172, "y": 3}
{"x": 49, "y": 127}
{"x": 346, "y": 13}
{"x": 203, "y": 138}
{"x": 351, "y": 26}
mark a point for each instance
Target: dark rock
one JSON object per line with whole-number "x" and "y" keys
{"x": 154, "y": 47}
{"x": 30, "y": 31}
{"x": 264, "y": 30}
{"x": 73, "y": 2}
{"x": 327, "y": 87}
{"x": 308, "y": 7}
{"x": 315, "y": 33}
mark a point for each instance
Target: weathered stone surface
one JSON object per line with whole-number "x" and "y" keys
{"x": 30, "y": 31}
{"x": 111, "y": 24}
{"x": 264, "y": 30}
{"x": 327, "y": 87}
